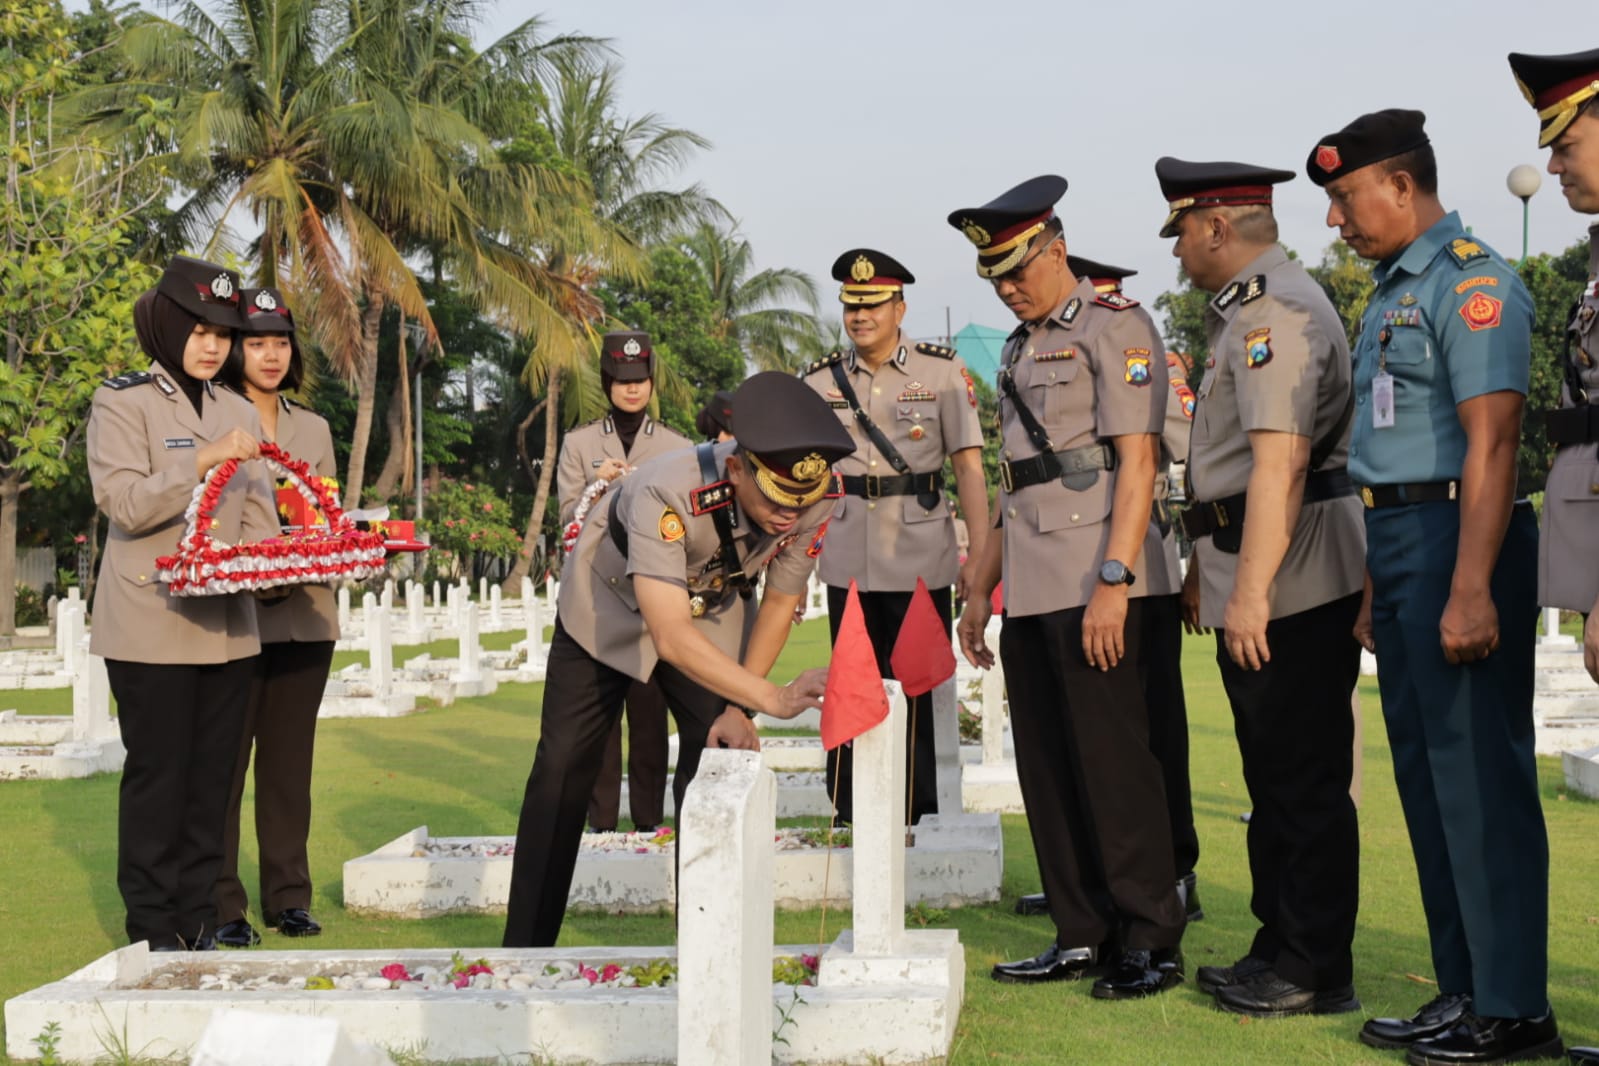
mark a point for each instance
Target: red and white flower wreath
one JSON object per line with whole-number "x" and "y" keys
{"x": 204, "y": 566}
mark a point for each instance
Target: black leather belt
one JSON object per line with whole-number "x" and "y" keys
{"x": 1047, "y": 466}
{"x": 1374, "y": 496}
{"x": 1201, "y": 519}
{"x": 1572, "y": 425}
{"x": 873, "y": 487}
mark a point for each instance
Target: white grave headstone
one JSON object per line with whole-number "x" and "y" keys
{"x": 91, "y": 701}
{"x": 724, "y": 916}
{"x": 878, "y": 836}
{"x": 344, "y": 608}
{"x": 496, "y": 618}
{"x": 69, "y": 635}
{"x": 437, "y": 599}
{"x": 416, "y": 621}
{"x": 388, "y": 594}
{"x": 255, "y": 1038}
{"x": 470, "y": 664}
{"x": 994, "y": 714}
{"x": 482, "y": 589}
{"x": 380, "y": 645}
{"x": 947, "y": 746}
{"x": 74, "y": 594}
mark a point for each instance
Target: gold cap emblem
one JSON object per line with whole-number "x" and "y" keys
{"x": 863, "y": 269}
{"x": 975, "y": 233}
{"x": 810, "y": 468}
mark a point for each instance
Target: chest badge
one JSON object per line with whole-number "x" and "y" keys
{"x": 1257, "y": 348}
{"x": 1408, "y": 300}
{"x": 917, "y": 432}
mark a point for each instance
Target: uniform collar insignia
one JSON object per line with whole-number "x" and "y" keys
{"x": 1225, "y": 298}
{"x": 1069, "y": 313}
{"x": 608, "y": 426}
{"x": 165, "y": 386}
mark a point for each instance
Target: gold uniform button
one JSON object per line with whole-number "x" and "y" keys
{"x": 144, "y": 577}
{"x": 876, "y": 391}
{"x": 1076, "y": 517}
{"x": 871, "y": 505}
{"x": 1052, "y": 375}
{"x": 873, "y": 463}
{"x": 613, "y": 580}
{"x": 1594, "y": 489}
{"x": 1010, "y": 513}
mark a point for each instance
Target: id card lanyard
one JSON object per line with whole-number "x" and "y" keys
{"x": 1382, "y": 384}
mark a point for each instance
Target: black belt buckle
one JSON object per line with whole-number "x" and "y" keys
{"x": 1007, "y": 480}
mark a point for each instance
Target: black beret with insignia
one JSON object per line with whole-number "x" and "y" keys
{"x": 1106, "y": 278}
{"x": 626, "y": 355}
{"x": 790, "y": 436}
{"x": 1004, "y": 228}
{"x": 869, "y": 277}
{"x": 1367, "y": 140}
{"x": 1187, "y": 185}
{"x": 208, "y": 291}
{"x": 1556, "y": 87}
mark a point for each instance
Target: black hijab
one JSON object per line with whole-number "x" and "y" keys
{"x": 627, "y": 423}
{"x": 163, "y": 329}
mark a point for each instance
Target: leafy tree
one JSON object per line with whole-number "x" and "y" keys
{"x": 1346, "y": 279}
{"x": 1183, "y": 310}
{"x": 755, "y": 307}
{"x": 66, "y": 289}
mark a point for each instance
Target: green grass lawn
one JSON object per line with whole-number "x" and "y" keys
{"x": 460, "y": 770}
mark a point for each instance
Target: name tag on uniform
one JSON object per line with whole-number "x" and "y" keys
{"x": 1382, "y": 400}
{"x": 179, "y": 442}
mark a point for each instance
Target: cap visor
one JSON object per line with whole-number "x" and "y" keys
{"x": 629, "y": 372}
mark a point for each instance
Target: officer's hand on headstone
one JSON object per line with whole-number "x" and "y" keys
{"x": 234, "y": 444}
{"x": 1469, "y": 630}
{"x": 1590, "y": 644}
{"x": 1188, "y": 599}
{"x": 1104, "y": 626}
{"x": 733, "y": 730}
{"x": 974, "y": 620}
{"x": 1244, "y": 621}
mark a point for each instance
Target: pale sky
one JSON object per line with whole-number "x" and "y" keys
{"x": 836, "y": 126}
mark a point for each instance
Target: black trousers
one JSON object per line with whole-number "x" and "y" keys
{"x": 1296, "y": 737}
{"x": 1096, "y": 806}
{"x": 885, "y": 612}
{"x": 280, "y": 727}
{"x": 646, "y": 762}
{"x": 582, "y": 703}
{"x": 180, "y": 724}
{"x": 1168, "y": 721}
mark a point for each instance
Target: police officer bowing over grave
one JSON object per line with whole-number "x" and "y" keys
{"x": 604, "y": 450}
{"x": 906, "y": 406}
{"x": 1083, "y": 395}
{"x": 1441, "y": 370}
{"x": 657, "y": 586}
{"x": 1565, "y": 91}
{"x": 1277, "y": 571}
{"x": 1163, "y": 625}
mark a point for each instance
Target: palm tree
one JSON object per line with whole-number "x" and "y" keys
{"x": 754, "y": 307}
{"x": 353, "y": 133}
{"x": 621, "y": 159}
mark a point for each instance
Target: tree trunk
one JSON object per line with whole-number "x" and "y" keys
{"x": 10, "y": 491}
{"x": 390, "y": 478}
{"x": 366, "y": 383}
{"x": 541, "y": 494}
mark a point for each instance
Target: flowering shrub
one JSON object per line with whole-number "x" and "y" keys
{"x": 788, "y": 970}
{"x": 471, "y": 525}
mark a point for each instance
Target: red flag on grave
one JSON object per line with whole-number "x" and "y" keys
{"x": 854, "y": 700}
{"x": 922, "y": 658}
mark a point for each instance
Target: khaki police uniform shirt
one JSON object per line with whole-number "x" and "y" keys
{"x": 1093, "y": 369}
{"x": 1279, "y": 361}
{"x": 666, "y": 540}
{"x": 308, "y": 612}
{"x": 589, "y": 445}
{"x": 1165, "y": 572}
{"x": 142, "y": 440}
{"x": 1568, "y": 572}
{"x": 924, "y": 403}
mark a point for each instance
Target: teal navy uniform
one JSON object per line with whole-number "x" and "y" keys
{"x": 1449, "y": 321}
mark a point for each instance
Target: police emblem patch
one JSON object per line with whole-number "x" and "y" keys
{"x": 971, "y": 388}
{"x": 816, "y": 542}
{"x": 671, "y": 526}
{"x": 1185, "y": 396}
{"x": 1137, "y": 366}
{"x": 1257, "y": 348}
{"x": 1481, "y": 311}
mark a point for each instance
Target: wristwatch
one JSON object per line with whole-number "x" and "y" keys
{"x": 1112, "y": 572}
{"x": 749, "y": 713}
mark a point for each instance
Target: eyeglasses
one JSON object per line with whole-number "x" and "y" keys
{"x": 1014, "y": 274}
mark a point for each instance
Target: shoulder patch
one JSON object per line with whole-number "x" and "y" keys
{"x": 129, "y": 380}
{"x": 1472, "y": 283}
{"x": 1115, "y": 301}
{"x": 671, "y": 526}
{"x": 1464, "y": 250}
{"x": 1225, "y": 298}
{"x": 1481, "y": 311}
{"x": 1254, "y": 289}
{"x": 937, "y": 350}
{"x": 1257, "y": 348}
{"x": 1137, "y": 372}
{"x": 823, "y": 363}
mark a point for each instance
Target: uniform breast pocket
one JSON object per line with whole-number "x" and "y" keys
{"x": 915, "y": 512}
{"x": 1048, "y": 390}
{"x": 1409, "y": 347}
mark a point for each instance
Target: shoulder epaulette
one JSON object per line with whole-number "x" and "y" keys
{"x": 1254, "y": 289}
{"x": 1115, "y": 301}
{"x": 823, "y": 363}
{"x": 712, "y": 497}
{"x": 937, "y": 350}
{"x": 129, "y": 380}
{"x": 1464, "y": 250}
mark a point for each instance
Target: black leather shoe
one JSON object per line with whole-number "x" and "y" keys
{"x": 1055, "y": 964}
{"x": 1139, "y": 972}
{"x": 293, "y": 921}
{"x": 1584, "y": 1056}
{"x": 1188, "y": 892}
{"x": 206, "y": 942}
{"x": 1436, "y": 1015}
{"x": 238, "y": 934}
{"x": 1269, "y": 995}
{"x": 1211, "y": 978}
{"x": 1477, "y": 1039}
{"x": 1033, "y": 904}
